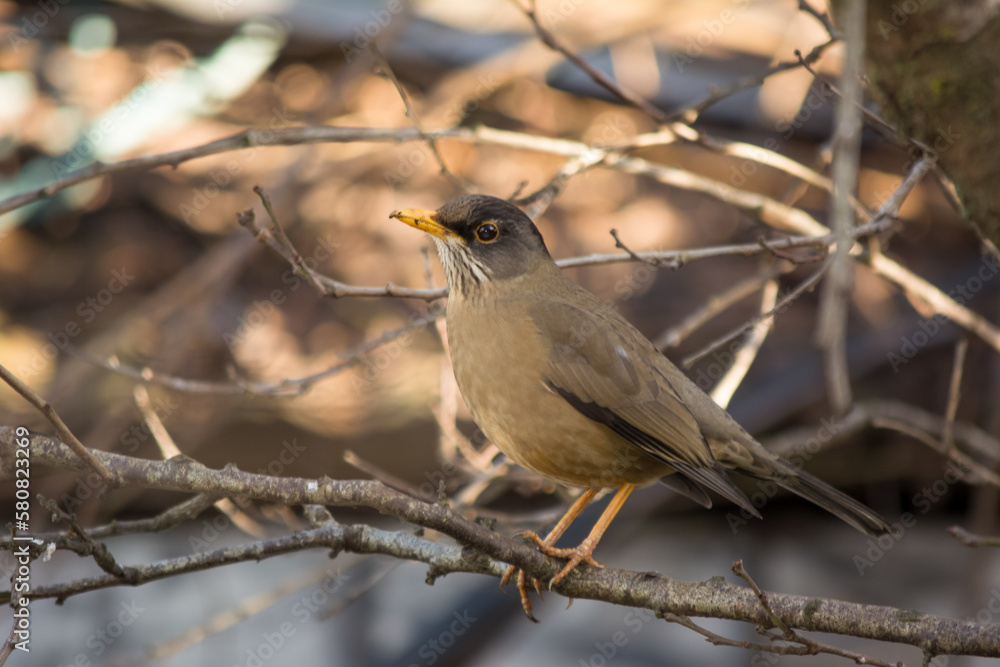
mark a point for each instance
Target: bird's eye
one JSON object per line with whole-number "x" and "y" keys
{"x": 487, "y": 232}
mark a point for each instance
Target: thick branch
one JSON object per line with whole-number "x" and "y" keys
{"x": 714, "y": 598}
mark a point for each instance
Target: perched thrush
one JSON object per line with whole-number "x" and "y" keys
{"x": 566, "y": 387}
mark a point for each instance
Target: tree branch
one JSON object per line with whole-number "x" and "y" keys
{"x": 484, "y": 551}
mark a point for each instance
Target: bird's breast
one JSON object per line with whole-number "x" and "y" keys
{"x": 500, "y": 359}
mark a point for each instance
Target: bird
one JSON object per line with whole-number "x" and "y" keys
{"x": 566, "y": 387}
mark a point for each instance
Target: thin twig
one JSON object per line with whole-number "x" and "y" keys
{"x": 783, "y": 303}
{"x": 290, "y": 387}
{"x": 811, "y": 646}
{"x": 822, "y": 17}
{"x": 411, "y": 113}
{"x": 962, "y": 461}
{"x": 715, "y": 304}
{"x": 971, "y": 539}
{"x": 387, "y": 478}
{"x": 654, "y": 263}
{"x": 169, "y": 449}
{"x": 58, "y": 424}
{"x": 716, "y": 94}
{"x": 727, "y": 385}
{"x": 880, "y": 124}
{"x": 936, "y": 300}
{"x": 831, "y": 324}
{"x": 173, "y": 516}
{"x": 954, "y": 394}
{"x": 97, "y": 550}
{"x": 622, "y": 93}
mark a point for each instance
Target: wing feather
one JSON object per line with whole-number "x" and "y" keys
{"x": 607, "y": 371}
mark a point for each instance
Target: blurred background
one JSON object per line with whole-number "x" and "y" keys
{"x": 147, "y": 271}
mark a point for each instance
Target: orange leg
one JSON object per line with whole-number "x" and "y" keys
{"x": 584, "y": 552}
{"x": 557, "y": 531}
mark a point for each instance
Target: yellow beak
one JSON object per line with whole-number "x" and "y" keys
{"x": 425, "y": 220}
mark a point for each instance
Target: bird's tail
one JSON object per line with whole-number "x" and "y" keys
{"x": 816, "y": 491}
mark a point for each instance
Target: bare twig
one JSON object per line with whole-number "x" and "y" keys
{"x": 715, "y": 304}
{"x": 972, "y": 540}
{"x": 822, "y": 17}
{"x": 890, "y": 209}
{"x": 960, "y": 459}
{"x": 97, "y": 550}
{"x": 831, "y": 326}
{"x": 938, "y": 302}
{"x": 58, "y": 424}
{"x": 954, "y": 393}
{"x": 811, "y": 647}
{"x": 287, "y": 387}
{"x": 484, "y": 551}
{"x": 387, "y": 478}
{"x": 169, "y": 449}
{"x": 625, "y": 95}
{"x": 185, "y": 511}
{"x": 724, "y": 389}
{"x": 651, "y": 262}
{"x": 294, "y": 256}
{"x": 716, "y": 94}
{"x": 782, "y": 303}
{"x": 383, "y": 64}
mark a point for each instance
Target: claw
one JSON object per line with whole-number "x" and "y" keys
{"x": 522, "y": 586}
{"x": 507, "y": 576}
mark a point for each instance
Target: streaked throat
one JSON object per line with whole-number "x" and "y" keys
{"x": 462, "y": 268}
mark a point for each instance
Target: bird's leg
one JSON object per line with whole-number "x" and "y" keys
{"x": 584, "y": 552}
{"x": 522, "y": 579}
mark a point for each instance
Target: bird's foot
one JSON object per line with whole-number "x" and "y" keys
{"x": 522, "y": 588}
{"x": 576, "y": 555}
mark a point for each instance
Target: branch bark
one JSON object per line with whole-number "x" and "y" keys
{"x": 483, "y": 551}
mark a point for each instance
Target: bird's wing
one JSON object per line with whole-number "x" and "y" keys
{"x": 608, "y": 371}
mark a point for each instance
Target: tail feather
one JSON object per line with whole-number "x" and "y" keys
{"x": 832, "y": 500}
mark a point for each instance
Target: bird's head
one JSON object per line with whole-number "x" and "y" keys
{"x": 480, "y": 239}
